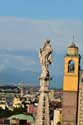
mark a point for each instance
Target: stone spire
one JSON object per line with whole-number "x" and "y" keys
{"x": 43, "y": 117}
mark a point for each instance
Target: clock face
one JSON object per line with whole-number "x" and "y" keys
{"x": 71, "y": 66}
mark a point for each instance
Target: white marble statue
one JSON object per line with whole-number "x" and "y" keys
{"x": 45, "y": 58}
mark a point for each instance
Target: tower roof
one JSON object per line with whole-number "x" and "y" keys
{"x": 73, "y": 45}
{"x": 73, "y": 50}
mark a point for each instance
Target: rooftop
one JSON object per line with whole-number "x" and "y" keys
{"x": 73, "y": 45}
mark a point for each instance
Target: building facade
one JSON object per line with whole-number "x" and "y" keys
{"x": 80, "y": 101}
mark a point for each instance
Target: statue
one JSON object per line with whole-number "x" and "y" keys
{"x": 45, "y": 58}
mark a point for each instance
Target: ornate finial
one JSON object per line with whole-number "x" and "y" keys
{"x": 45, "y": 58}
{"x": 73, "y": 38}
{"x": 73, "y": 45}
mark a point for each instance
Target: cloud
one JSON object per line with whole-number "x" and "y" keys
{"x": 18, "y": 62}
{"x": 2, "y": 67}
{"x": 23, "y": 33}
{"x": 21, "y": 60}
{"x": 25, "y": 60}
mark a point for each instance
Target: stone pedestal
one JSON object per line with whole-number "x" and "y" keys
{"x": 43, "y": 107}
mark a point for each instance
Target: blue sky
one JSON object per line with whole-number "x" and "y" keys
{"x": 42, "y": 9}
{"x": 24, "y": 24}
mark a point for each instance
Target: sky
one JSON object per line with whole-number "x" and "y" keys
{"x": 42, "y": 9}
{"x": 25, "y": 24}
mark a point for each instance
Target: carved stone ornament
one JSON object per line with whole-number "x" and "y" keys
{"x": 45, "y": 55}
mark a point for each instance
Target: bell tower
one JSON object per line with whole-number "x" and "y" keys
{"x": 70, "y": 85}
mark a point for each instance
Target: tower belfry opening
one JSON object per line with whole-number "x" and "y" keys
{"x": 71, "y": 66}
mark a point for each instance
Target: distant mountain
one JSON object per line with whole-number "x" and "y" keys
{"x": 23, "y": 66}
{"x": 10, "y": 76}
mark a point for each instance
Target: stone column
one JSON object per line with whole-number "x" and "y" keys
{"x": 43, "y": 117}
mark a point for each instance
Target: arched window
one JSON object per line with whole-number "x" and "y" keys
{"x": 71, "y": 66}
{"x": 82, "y": 79}
{"x": 58, "y": 123}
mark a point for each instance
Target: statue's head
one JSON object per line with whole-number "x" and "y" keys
{"x": 47, "y": 41}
